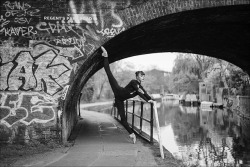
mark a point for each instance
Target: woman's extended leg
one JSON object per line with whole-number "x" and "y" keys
{"x": 113, "y": 83}
{"x": 117, "y": 92}
{"x": 120, "y": 107}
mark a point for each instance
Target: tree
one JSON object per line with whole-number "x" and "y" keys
{"x": 88, "y": 91}
{"x": 203, "y": 64}
{"x": 186, "y": 74}
{"x": 100, "y": 81}
{"x": 239, "y": 80}
{"x": 189, "y": 70}
{"x": 218, "y": 73}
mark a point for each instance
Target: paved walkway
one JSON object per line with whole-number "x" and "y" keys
{"x": 100, "y": 141}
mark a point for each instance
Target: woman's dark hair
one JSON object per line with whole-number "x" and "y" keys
{"x": 139, "y": 72}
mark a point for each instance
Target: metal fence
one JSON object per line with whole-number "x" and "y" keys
{"x": 152, "y": 117}
{"x": 137, "y": 126}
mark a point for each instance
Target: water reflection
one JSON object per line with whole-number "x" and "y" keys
{"x": 217, "y": 137}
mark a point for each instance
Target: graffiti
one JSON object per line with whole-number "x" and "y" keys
{"x": 45, "y": 37}
{"x": 116, "y": 17}
{"x": 18, "y": 13}
{"x": 19, "y": 9}
{"x": 66, "y": 28}
{"x": 64, "y": 92}
{"x": 110, "y": 23}
{"x": 111, "y": 32}
{"x": 25, "y": 108}
{"x": 43, "y": 69}
{"x": 53, "y": 18}
{"x": 3, "y": 21}
{"x": 54, "y": 28}
{"x": 22, "y": 20}
{"x": 103, "y": 9}
{"x": 70, "y": 42}
{"x": 18, "y": 31}
{"x": 82, "y": 18}
{"x": 79, "y": 42}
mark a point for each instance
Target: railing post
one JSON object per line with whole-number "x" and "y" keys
{"x": 151, "y": 123}
{"x": 133, "y": 115}
{"x": 158, "y": 130}
{"x": 113, "y": 109}
{"x": 79, "y": 105}
{"x": 111, "y": 112}
{"x": 141, "y": 117}
{"x": 117, "y": 114}
{"x": 126, "y": 113}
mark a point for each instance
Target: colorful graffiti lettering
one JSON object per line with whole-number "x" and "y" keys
{"x": 42, "y": 69}
{"x": 25, "y": 108}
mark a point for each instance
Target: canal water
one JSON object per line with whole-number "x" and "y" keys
{"x": 211, "y": 137}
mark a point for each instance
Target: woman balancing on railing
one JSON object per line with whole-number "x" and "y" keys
{"x": 133, "y": 89}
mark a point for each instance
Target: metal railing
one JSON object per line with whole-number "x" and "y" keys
{"x": 138, "y": 129}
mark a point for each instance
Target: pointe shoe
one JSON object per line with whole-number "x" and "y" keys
{"x": 132, "y": 135}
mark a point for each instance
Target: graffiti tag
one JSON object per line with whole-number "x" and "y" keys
{"x": 42, "y": 70}
{"x": 18, "y": 31}
{"x": 19, "y": 9}
{"x": 111, "y": 32}
{"x": 25, "y": 108}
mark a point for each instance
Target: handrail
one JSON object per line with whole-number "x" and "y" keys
{"x": 153, "y": 113}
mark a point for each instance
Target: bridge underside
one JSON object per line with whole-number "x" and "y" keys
{"x": 222, "y": 32}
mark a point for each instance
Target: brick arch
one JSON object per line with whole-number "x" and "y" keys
{"x": 220, "y": 32}
{"x": 138, "y": 12}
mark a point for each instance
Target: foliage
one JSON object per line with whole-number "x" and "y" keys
{"x": 155, "y": 81}
{"x": 188, "y": 70}
{"x": 219, "y": 73}
{"x": 239, "y": 81}
{"x": 88, "y": 91}
{"x": 238, "y": 77}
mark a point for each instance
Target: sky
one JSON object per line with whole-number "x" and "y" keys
{"x": 161, "y": 61}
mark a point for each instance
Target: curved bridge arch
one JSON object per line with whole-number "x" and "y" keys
{"x": 220, "y": 32}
